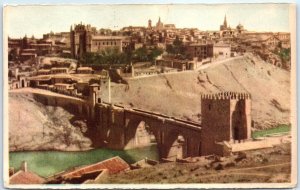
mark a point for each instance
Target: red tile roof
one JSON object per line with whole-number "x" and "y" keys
{"x": 28, "y": 177}
{"x": 113, "y": 165}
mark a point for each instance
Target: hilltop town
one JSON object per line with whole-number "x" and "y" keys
{"x": 136, "y": 51}
{"x": 199, "y": 96}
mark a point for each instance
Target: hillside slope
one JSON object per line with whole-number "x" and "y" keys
{"x": 178, "y": 94}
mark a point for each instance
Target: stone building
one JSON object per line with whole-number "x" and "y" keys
{"x": 80, "y": 39}
{"x": 61, "y": 38}
{"x": 85, "y": 38}
{"x": 222, "y": 50}
{"x": 100, "y": 43}
{"x": 25, "y": 48}
{"x": 199, "y": 50}
{"x": 19, "y": 80}
{"x": 84, "y": 70}
{"x": 227, "y": 31}
{"x": 240, "y": 28}
{"x": 226, "y": 116}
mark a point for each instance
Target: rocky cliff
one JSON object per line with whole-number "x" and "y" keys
{"x": 33, "y": 126}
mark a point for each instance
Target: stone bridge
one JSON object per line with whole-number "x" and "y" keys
{"x": 226, "y": 116}
{"x": 124, "y": 128}
{"x": 118, "y": 127}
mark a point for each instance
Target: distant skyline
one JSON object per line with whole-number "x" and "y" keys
{"x": 38, "y": 20}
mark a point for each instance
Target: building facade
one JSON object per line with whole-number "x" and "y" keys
{"x": 101, "y": 43}
{"x": 222, "y": 50}
{"x": 199, "y": 50}
{"x": 85, "y": 38}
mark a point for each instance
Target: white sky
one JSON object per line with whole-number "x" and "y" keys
{"x": 37, "y": 20}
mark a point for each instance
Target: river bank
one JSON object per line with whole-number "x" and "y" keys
{"x": 270, "y": 165}
{"x": 47, "y": 163}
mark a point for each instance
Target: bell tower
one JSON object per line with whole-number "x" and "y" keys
{"x": 149, "y": 24}
{"x": 225, "y": 22}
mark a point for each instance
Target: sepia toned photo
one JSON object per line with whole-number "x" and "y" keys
{"x": 150, "y": 96}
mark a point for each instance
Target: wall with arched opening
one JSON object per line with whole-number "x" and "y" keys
{"x": 139, "y": 134}
{"x": 120, "y": 128}
{"x": 175, "y": 146}
{"x": 239, "y": 122}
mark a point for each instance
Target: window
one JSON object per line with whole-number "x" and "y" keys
{"x": 209, "y": 106}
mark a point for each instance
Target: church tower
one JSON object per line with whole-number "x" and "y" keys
{"x": 72, "y": 41}
{"x": 149, "y": 24}
{"x": 159, "y": 25}
{"x": 224, "y": 25}
{"x": 225, "y": 22}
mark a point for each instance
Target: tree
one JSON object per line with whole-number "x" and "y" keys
{"x": 107, "y": 56}
{"x": 176, "y": 48}
{"x": 285, "y": 56}
{"x": 155, "y": 53}
{"x": 170, "y": 49}
{"x": 141, "y": 54}
{"x": 13, "y": 55}
{"x": 10, "y": 74}
{"x": 144, "y": 54}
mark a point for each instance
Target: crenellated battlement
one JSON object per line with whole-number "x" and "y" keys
{"x": 226, "y": 95}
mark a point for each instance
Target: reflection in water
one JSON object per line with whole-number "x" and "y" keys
{"x": 46, "y": 163}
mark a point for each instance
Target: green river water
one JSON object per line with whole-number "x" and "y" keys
{"x": 47, "y": 163}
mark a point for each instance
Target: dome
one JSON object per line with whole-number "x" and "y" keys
{"x": 240, "y": 26}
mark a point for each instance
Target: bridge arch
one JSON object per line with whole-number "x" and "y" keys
{"x": 140, "y": 133}
{"x": 175, "y": 146}
{"x": 23, "y": 83}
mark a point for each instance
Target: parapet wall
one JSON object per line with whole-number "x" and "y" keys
{"x": 73, "y": 105}
{"x": 227, "y": 95}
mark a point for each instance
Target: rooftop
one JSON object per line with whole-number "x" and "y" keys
{"x": 28, "y": 53}
{"x": 107, "y": 37}
{"x": 22, "y": 177}
{"x": 59, "y": 68}
{"x": 84, "y": 68}
{"x": 199, "y": 44}
{"x": 113, "y": 165}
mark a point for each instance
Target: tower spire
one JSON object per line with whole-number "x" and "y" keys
{"x": 225, "y": 21}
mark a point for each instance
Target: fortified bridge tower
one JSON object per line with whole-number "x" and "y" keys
{"x": 226, "y": 116}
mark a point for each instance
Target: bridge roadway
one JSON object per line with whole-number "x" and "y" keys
{"x": 159, "y": 116}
